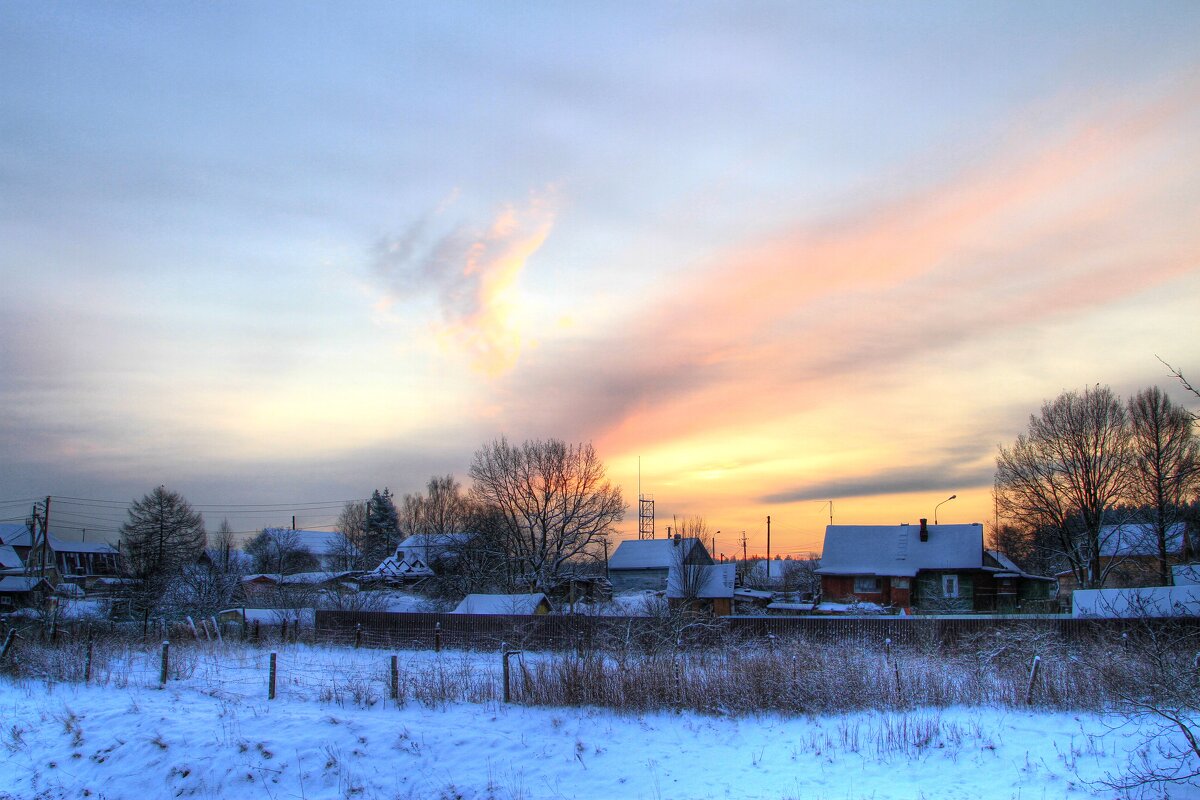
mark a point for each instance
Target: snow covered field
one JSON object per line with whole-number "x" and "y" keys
{"x": 333, "y": 733}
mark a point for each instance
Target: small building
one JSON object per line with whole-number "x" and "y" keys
{"x": 702, "y": 588}
{"x": 10, "y": 562}
{"x": 644, "y": 564}
{"x": 535, "y": 604}
{"x": 933, "y": 568}
{"x": 22, "y": 591}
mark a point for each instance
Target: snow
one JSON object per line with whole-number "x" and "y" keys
{"x": 215, "y": 734}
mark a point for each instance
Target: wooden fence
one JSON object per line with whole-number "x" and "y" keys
{"x": 470, "y": 631}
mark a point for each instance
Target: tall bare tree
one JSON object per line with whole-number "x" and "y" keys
{"x": 552, "y": 502}
{"x": 1066, "y": 473}
{"x": 351, "y": 547}
{"x": 1167, "y": 457}
{"x": 280, "y": 551}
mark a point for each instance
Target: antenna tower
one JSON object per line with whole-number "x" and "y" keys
{"x": 645, "y": 509}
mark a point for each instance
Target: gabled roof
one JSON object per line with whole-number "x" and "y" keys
{"x": 651, "y": 553}
{"x": 716, "y": 580}
{"x": 9, "y": 558}
{"x": 411, "y": 567}
{"x": 897, "y": 550}
{"x": 1138, "y": 540}
{"x": 519, "y": 604}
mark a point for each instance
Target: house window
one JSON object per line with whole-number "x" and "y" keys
{"x": 949, "y": 586}
{"x": 866, "y": 584}
{"x": 900, "y": 583}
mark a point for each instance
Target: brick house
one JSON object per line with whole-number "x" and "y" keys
{"x": 925, "y": 567}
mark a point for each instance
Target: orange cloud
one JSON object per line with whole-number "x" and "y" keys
{"x": 473, "y": 272}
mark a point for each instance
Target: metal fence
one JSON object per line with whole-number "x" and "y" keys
{"x": 553, "y": 632}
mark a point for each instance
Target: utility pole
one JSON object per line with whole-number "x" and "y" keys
{"x": 45, "y": 538}
{"x": 768, "y": 542}
{"x": 743, "y": 545}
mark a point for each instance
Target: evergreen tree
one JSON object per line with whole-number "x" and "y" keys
{"x": 162, "y": 536}
{"x": 383, "y": 524}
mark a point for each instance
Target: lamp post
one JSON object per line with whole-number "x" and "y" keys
{"x": 935, "y": 508}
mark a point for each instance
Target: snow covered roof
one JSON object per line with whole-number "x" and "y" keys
{"x": 434, "y": 540}
{"x": 296, "y": 578}
{"x": 523, "y": 604}
{"x": 716, "y": 580}
{"x": 1008, "y": 568}
{"x": 650, "y": 553}
{"x": 411, "y": 567}
{"x": 20, "y": 583}
{"x": 16, "y": 535}
{"x": 897, "y": 550}
{"x": 9, "y": 558}
{"x": 1138, "y": 540}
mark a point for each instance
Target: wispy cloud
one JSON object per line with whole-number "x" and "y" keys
{"x": 471, "y": 270}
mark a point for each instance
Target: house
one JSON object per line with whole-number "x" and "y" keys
{"x": 644, "y": 564}
{"x": 430, "y": 548}
{"x": 535, "y": 604}
{"x": 1012, "y": 588}
{"x": 705, "y": 588}
{"x": 1129, "y": 557}
{"x": 333, "y": 551}
{"x": 66, "y": 560}
{"x": 22, "y": 591}
{"x": 928, "y": 567}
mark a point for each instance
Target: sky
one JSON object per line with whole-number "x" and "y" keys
{"x": 769, "y": 258}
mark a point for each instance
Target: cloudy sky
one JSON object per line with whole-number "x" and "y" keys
{"x": 786, "y": 254}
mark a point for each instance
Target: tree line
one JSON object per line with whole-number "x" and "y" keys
{"x": 1089, "y": 461}
{"x": 531, "y": 513}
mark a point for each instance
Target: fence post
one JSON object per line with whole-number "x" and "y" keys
{"x": 283, "y": 632}
{"x": 271, "y": 679}
{"x": 217, "y": 628}
{"x": 1033, "y": 671}
{"x": 192, "y": 625}
{"x": 162, "y": 675}
{"x": 357, "y": 635}
{"x": 504, "y": 670}
{"x": 395, "y": 677}
{"x": 256, "y": 632}
{"x": 87, "y": 659}
{"x": 437, "y": 637}
{"x": 887, "y": 651}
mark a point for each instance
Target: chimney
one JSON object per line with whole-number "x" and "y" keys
{"x": 924, "y": 530}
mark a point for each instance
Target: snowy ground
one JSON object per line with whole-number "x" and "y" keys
{"x": 214, "y": 734}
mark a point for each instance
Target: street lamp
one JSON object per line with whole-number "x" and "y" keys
{"x": 935, "y": 508}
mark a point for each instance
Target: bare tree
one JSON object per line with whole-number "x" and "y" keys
{"x": 350, "y": 547}
{"x": 1067, "y": 472}
{"x": 280, "y": 551}
{"x": 551, "y": 500}
{"x": 1177, "y": 375}
{"x": 1167, "y": 457}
